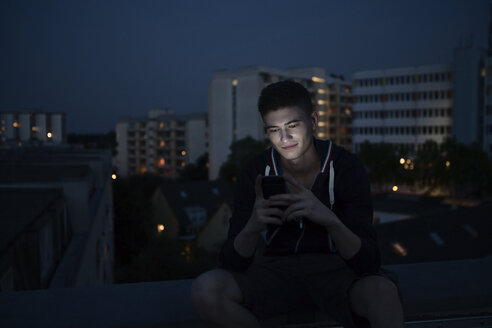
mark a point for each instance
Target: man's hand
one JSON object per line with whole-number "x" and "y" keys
{"x": 264, "y": 211}
{"x": 303, "y": 203}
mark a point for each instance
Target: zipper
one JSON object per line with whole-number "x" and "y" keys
{"x": 300, "y": 237}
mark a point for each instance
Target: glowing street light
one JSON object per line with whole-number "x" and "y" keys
{"x": 402, "y": 161}
{"x": 395, "y": 188}
{"x": 113, "y": 176}
{"x": 49, "y": 135}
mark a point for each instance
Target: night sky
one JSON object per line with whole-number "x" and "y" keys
{"x": 100, "y": 60}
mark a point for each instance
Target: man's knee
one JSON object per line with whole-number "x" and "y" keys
{"x": 373, "y": 291}
{"x": 210, "y": 289}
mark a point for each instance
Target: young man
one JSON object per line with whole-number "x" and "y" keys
{"x": 321, "y": 249}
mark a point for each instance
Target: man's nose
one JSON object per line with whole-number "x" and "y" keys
{"x": 284, "y": 134}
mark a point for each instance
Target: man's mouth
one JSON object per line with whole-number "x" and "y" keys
{"x": 289, "y": 147}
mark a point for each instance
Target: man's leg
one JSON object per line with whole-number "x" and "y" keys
{"x": 376, "y": 298}
{"x": 216, "y": 297}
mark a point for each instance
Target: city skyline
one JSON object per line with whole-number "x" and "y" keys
{"x": 101, "y": 61}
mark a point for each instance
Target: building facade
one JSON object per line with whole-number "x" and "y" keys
{"x": 403, "y": 106}
{"x": 21, "y": 128}
{"x": 233, "y": 112}
{"x": 161, "y": 143}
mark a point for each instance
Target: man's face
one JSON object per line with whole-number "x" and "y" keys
{"x": 290, "y": 131}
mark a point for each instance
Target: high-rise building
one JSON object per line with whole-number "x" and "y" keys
{"x": 233, "y": 112}
{"x": 161, "y": 143}
{"x": 403, "y": 106}
{"x": 408, "y": 106}
{"x": 22, "y": 128}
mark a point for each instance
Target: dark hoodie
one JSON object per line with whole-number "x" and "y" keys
{"x": 348, "y": 195}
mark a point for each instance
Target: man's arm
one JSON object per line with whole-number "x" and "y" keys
{"x": 352, "y": 232}
{"x": 247, "y": 223}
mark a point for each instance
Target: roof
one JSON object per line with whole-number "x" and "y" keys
{"x": 29, "y": 173}
{"x": 411, "y": 205}
{"x": 450, "y": 233}
{"x": 20, "y": 207}
{"x": 209, "y": 195}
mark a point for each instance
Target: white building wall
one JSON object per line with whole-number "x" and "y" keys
{"x": 9, "y": 119}
{"x": 24, "y": 126}
{"x": 248, "y": 119}
{"x": 407, "y": 120}
{"x": 57, "y": 128}
{"x": 220, "y": 122}
{"x": 40, "y": 123}
{"x": 122, "y": 148}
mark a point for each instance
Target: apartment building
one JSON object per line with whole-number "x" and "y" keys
{"x": 21, "y": 128}
{"x": 409, "y": 105}
{"x": 233, "y": 112}
{"x": 161, "y": 143}
{"x": 403, "y": 106}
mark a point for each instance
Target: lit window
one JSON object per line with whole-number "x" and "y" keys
{"x": 318, "y": 79}
{"x": 321, "y": 91}
{"x": 448, "y": 163}
{"x": 183, "y": 153}
{"x": 398, "y": 249}
{"x": 143, "y": 170}
{"x": 321, "y": 102}
{"x": 162, "y": 161}
{"x": 321, "y": 134}
{"x": 321, "y": 123}
{"x": 160, "y": 228}
{"x": 15, "y": 124}
{"x": 34, "y": 128}
{"x": 161, "y": 143}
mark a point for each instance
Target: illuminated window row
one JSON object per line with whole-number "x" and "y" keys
{"x": 405, "y": 113}
{"x": 403, "y": 130}
{"x": 405, "y": 96}
{"x": 406, "y": 79}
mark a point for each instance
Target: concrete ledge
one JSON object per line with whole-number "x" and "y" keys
{"x": 430, "y": 290}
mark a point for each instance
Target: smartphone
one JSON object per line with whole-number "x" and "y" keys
{"x": 273, "y": 185}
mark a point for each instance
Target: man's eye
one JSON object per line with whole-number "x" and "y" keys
{"x": 293, "y": 125}
{"x": 273, "y": 130}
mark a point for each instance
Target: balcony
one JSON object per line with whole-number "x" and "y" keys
{"x": 435, "y": 294}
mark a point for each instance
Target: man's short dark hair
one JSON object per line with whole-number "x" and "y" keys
{"x": 284, "y": 94}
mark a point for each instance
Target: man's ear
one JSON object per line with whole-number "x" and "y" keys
{"x": 314, "y": 120}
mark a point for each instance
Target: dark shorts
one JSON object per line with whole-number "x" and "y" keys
{"x": 283, "y": 284}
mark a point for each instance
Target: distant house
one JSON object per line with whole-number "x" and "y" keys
{"x": 195, "y": 210}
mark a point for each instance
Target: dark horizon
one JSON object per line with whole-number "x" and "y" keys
{"x": 98, "y": 61}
